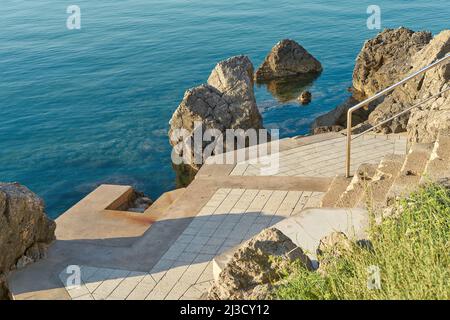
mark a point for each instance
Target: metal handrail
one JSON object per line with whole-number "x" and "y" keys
{"x": 375, "y": 97}
{"x": 437, "y": 95}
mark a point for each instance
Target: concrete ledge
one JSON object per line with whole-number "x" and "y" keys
{"x": 97, "y": 217}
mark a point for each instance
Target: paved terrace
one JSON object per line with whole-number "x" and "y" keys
{"x": 167, "y": 252}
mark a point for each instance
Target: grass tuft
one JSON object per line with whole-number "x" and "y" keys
{"x": 411, "y": 250}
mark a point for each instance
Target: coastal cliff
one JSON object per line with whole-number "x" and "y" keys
{"x": 389, "y": 57}
{"x": 25, "y": 230}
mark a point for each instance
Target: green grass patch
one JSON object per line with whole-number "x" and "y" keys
{"x": 411, "y": 250}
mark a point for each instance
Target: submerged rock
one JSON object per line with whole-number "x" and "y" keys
{"x": 256, "y": 265}
{"x": 288, "y": 89}
{"x": 25, "y": 229}
{"x": 140, "y": 202}
{"x": 305, "y": 97}
{"x": 287, "y": 59}
{"x": 227, "y": 101}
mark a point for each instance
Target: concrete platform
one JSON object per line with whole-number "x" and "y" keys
{"x": 167, "y": 252}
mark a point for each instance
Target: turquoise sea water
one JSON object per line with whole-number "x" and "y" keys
{"x": 84, "y": 107}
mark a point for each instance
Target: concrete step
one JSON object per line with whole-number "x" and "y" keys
{"x": 159, "y": 207}
{"x": 438, "y": 166}
{"x": 357, "y": 188}
{"x": 411, "y": 173}
{"x": 337, "y": 187}
{"x": 308, "y": 228}
{"x": 387, "y": 172}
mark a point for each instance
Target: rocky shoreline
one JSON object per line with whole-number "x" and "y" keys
{"x": 227, "y": 101}
{"x": 384, "y": 60}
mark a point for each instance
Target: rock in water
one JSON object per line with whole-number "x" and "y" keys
{"x": 381, "y": 61}
{"x": 305, "y": 97}
{"x": 287, "y": 59}
{"x": 256, "y": 265}
{"x": 25, "y": 229}
{"x": 227, "y": 101}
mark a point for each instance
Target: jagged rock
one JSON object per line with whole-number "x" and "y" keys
{"x": 382, "y": 59}
{"x": 227, "y": 101}
{"x": 256, "y": 265}
{"x": 426, "y": 121}
{"x": 4, "y": 291}
{"x": 389, "y": 57}
{"x": 337, "y": 118}
{"x": 286, "y": 59}
{"x": 431, "y": 116}
{"x": 325, "y": 129}
{"x": 336, "y": 243}
{"x": 305, "y": 97}
{"x": 331, "y": 248}
{"x": 25, "y": 228}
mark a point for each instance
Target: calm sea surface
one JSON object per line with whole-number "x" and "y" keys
{"x": 80, "y": 108}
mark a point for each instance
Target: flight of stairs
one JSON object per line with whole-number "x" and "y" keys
{"x": 377, "y": 186}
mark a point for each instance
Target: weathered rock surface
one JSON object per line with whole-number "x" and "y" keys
{"x": 227, "y": 101}
{"x": 256, "y": 265}
{"x": 337, "y": 118}
{"x": 416, "y": 90}
{"x": 389, "y": 57}
{"x": 4, "y": 291}
{"x": 331, "y": 248}
{"x": 325, "y": 129}
{"x": 426, "y": 121}
{"x": 382, "y": 59}
{"x": 25, "y": 229}
{"x": 287, "y": 59}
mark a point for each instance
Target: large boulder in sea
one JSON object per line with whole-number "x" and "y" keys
{"x": 424, "y": 122}
{"x": 25, "y": 229}
{"x": 287, "y": 59}
{"x": 256, "y": 265}
{"x": 227, "y": 101}
{"x": 381, "y": 61}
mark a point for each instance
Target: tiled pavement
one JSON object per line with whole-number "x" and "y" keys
{"x": 327, "y": 158}
{"x": 230, "y": 217}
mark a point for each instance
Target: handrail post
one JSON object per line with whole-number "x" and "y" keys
{"x": 349, "y": 143}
